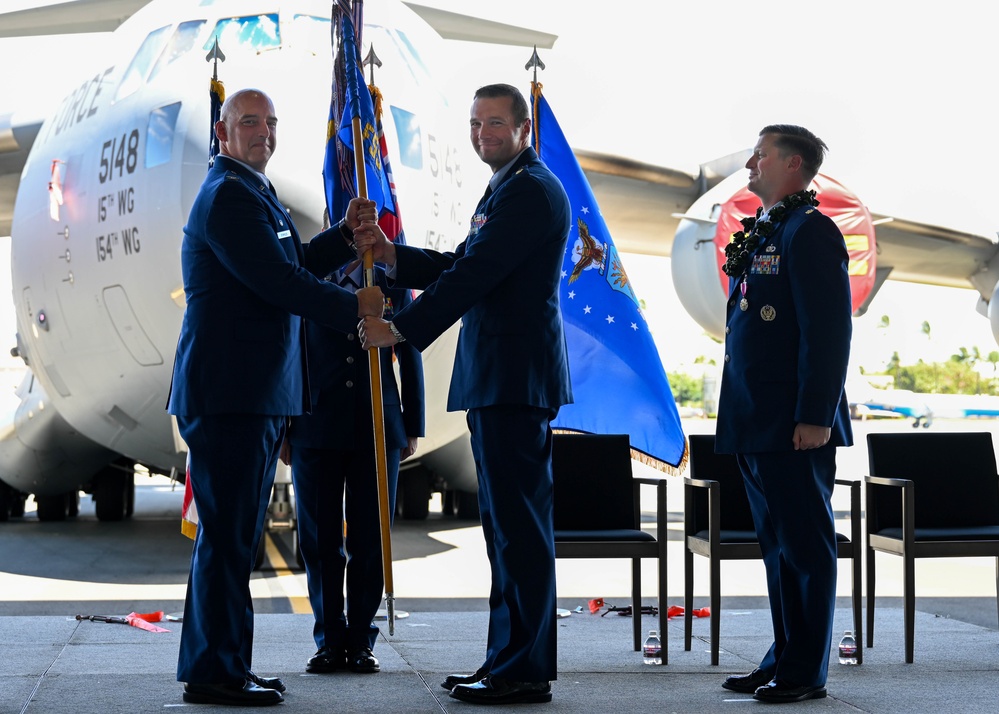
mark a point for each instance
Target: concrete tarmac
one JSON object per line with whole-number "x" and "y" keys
{"x": 50, "y": 662}
{"x": 57, "y": 665}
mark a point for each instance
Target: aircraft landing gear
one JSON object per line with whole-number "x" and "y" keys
{"x": 463, "y": 505}
{"x": 6, "y": 500}
{"x": 58, "y": 507}
{"x": 114, "y": 491}
{"x": 413, "y": 498}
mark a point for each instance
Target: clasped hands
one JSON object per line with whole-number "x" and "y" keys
{"x": 362, "y": 219}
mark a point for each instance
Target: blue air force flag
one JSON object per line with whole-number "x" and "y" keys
{"x": 619, "y": 384}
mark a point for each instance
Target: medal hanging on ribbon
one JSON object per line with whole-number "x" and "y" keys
{"x": 744, "y": 303}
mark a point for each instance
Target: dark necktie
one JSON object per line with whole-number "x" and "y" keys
{"x": 347, "y": 282}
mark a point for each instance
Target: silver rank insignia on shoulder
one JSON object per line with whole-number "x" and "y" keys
{"x": 810, "y": 210}
{"x": 768, "y": 313}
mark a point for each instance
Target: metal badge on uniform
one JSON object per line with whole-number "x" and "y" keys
{"x": 771, "y": 248}
{"x": 284, "y": 234}
{"x": 768, "y": 313}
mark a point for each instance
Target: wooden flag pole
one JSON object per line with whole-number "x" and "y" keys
{"x": 377, "y": 415}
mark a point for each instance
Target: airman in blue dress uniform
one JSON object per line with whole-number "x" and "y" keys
{"x": 510, "y": 375}
{"x": 239, "y": 372}
{"x": 783, "y": 409}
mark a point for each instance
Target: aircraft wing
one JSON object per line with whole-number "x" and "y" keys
{"x": 641, "y": 203}
{"x": 78, "y": 16}
{"x": 67, "y": 18}
{"x": 921, "y": 253}
{"x": 15, "y": 143}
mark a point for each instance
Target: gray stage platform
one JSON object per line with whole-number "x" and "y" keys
{"x": 53, "y": 665}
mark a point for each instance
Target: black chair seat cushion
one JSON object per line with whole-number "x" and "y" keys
{"x": 930, "y": 534}
{"x": 749, "y": 536}
{"x": 625, "y": 534}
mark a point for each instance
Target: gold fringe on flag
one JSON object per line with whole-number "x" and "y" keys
{"x": 643, "y": 458}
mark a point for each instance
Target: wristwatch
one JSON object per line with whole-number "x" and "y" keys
{"x": 395, "y": 332}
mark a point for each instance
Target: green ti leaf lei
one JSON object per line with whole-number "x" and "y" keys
{"x": 739, "y": 252}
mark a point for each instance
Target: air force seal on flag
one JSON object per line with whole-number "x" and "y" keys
{"x": 588, "y": 253}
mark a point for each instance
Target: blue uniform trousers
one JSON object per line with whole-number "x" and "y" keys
{"x": 789, "y": 494}
{"x": 232, "y": 462}
{"x": 328, "y": 482}
{"x": 512, "y": 446}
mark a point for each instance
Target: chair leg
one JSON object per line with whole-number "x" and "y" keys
{"x": 636, "y": 601}
{"x": 688, "y": 597}
{"x": 715, "y": 605}
{"x": 870, "y": 597}
{"x": 663, "y": 605}
{"x": 997, "y": 584}
{"x": 910, "y": 604}
{"x": 857, "y": 605}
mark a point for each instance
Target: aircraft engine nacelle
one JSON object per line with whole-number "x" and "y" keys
{"x": 993, "y": 312}
{"x": 698, "y": 252}
{"x": 39, "y": 452}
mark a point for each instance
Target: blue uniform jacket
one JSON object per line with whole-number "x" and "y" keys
{"x": 341, "y": 388}
{"x": 786, "y": 356}
{"x": 502, "y": 282}
{"x": 247, "y": 284}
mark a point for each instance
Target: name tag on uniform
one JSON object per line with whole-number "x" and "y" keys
{"x": 284, "y": 234}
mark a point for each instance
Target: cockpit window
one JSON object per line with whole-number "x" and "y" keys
{"x": 407, "y": 128}
{"x": 139, "y": 67}
{"x": 159, "y": 134}
{"x": 253, "y": 32}
{"x": 181, "y": 42}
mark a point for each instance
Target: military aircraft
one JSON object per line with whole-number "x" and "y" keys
{"x": 103, "y": 185}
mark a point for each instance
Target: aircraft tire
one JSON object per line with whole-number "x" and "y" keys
{"x": 130, "y": 498}
{"x": 466, "y": 506}
{"x": 73, "y": 504}
{"x": 110, "y": 494}
{"x": 51, "y": 508}
{"x": 414, "y": 494}
{"x": 6, "y": 502}
{"x": 17, "y": 504}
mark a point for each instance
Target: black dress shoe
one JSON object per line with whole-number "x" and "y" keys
{"x": 362, "y": 661}
{"x": 267, "y": 682}
{"x": 778, "y": 692}
{"x": 747, "y": 683}
{"x": 247, "y": 694}
{"x": 325, "y": 661}
{"x": 495, "y": 690}
{"x": 452, "y": 680}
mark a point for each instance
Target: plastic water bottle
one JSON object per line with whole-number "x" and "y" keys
{"x": 652, "y": 650}
{"x": 848, "y": 648}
